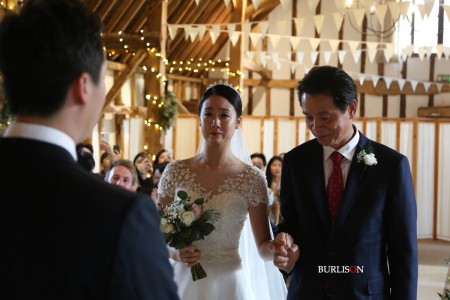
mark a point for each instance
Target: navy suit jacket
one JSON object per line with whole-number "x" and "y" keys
{"x": 373, "y": 243}
{"x": 65, "y": 234}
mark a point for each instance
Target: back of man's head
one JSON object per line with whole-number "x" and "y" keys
{"x": 42, "y": 51}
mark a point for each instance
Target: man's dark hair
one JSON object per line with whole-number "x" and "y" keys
{"x": 43, "y": 49}
{"x": 330, "y": 81}
{"x": 260, "y": 155}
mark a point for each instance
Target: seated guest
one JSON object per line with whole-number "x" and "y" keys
{"x": 259, "y": 160}
{"x": 123, "y": 173}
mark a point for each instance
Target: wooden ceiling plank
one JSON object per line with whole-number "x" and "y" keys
{"x": 130, "y": 15}
{"x": 118, "y": 15}
{"x": 105, "y": 9}
{"x": 93, "y": 5}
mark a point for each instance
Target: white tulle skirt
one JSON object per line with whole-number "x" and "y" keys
{"x": 251, "y": 279}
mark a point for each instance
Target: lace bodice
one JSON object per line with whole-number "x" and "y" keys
{"x": 231, "y": 199}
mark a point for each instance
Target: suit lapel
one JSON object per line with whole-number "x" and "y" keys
{"x": 353, "y": 184}
{"x": 316, "y": 180}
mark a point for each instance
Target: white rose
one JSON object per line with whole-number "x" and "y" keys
{"x": 369, "y": 159}
{"x": 167, "y": 228}
{"x": 163, "y": 221}
{"x": 187, "y": 218}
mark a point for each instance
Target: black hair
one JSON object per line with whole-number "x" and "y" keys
{"x": 140, "y": 154}
{"x": 226, "y": 92}
{"x": 268, "y": 173}
{"x": 330, "y": 81}
{"x": 260, "y": 155}
{"x": 85, "y": 159}
{"x": 161, "y": 167}
{"x": 43, "y": 49}
{"x": 155, "y": 162}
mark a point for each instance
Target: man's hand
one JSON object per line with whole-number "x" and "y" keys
{"x": 286, "y": 252}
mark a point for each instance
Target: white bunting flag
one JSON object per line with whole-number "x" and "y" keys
{"x": 299, "y": 22}
{"x": 285, "y": 4}
{"x": 201, "y": 31}
{"x": 263, "y": 26}
{"x": 372, "y": 53}
{"x": 358, "y": 14}
{"x": 361, "y": 77}
{"x": 187, "y": 30}
{"x": 375, "y": 79}
{"x": 334, "y": 44}
{"x": 414, "y": 84}
{"x": 422, "y": 10}
{"x": 422, "y": 52}
{"x": 447, "y": 11}
{"x": 439, "y": 51}
{"x": 327, "y": 57}
{"x": 430, "y": 50}
{"x": 274, "y": 40}
{"x": 197, "y": 2}
{"x": 300, "y": 57}
{"x": 255, "y": 4}
{"x": 404, "y": 8}
{"x": 231, "y": 28}
{"x": 314, "y": 43}
{"x": 353, "y": 45}
{"x": 440, "y": 87}
{"x": 234, "y": 38}
{"x": 293, "y": 68}
{"x": 356, "y": 56}
{"x": 446, "y": 52}
{"x": 426, "y": 86}
{"x": 227, "y": 2}
{"x": 338, "y": 19}
{"x": 380, "y": 12}
{"x": 275, "y": 56}
{"x": 214, "y": 33}
{"x": 318, "y": 22}
{"x": 388, "y": 81}
{"x": 313, "y": 56}
{"x": 388, "y": 51}
{"x": 295, "y": 41}
{"x": 404, "y": 54}
{"x": 341, "y": 55}
{"x": 394, "y": 8}
{"x": 172, "y": 31}
{"x": 313, "y": 4}
{"x": 401, "y": 83}
{"x": 254, "y": 38}
{"x": 193, "y": 33}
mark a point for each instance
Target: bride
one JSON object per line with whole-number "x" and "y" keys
{"x": 234, "y": 188}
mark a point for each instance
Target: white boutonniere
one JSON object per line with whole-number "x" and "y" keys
{"x": 366, "y": 156}
{"x": 369, "y": 159}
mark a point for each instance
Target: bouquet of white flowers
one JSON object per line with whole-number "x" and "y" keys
{"x": 183, "y": 222}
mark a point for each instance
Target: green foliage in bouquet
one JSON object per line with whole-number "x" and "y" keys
{"x": 184, "y": 221}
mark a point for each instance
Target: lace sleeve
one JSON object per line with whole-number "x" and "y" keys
{"x": 258, "y": 192}
{"x": 167, "y": 184}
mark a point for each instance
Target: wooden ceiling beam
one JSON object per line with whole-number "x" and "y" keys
{"x": 123, "y": 76}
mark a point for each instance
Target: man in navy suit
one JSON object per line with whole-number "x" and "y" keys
{"x": 351, "y": 213}
{"x": 64, "y": 234}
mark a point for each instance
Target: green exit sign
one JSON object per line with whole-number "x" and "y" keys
{"x": 443, "y": 78}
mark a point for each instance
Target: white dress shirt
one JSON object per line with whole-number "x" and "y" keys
{"x": 348, "y": 150}
{"x": 42, "y": 133}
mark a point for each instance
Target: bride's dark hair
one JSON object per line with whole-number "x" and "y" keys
{"x": 225, "y": 91}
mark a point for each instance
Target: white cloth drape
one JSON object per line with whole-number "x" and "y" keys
{"x": 443, "y": 215}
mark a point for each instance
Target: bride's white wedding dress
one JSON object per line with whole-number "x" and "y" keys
{"x": 228, "y": 276}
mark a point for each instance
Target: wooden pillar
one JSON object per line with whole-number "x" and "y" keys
{"x": 236, "y": 52}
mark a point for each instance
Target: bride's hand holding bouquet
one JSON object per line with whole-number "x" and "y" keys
{"x": 183, "y": 222}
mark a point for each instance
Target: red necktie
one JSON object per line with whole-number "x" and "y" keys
{"x": 335, "y": 186}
